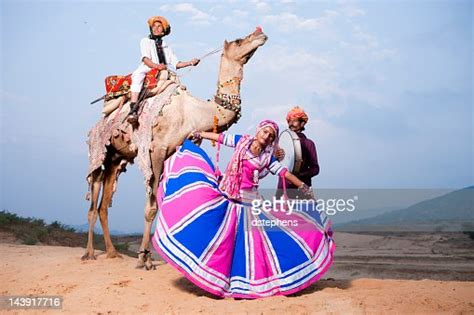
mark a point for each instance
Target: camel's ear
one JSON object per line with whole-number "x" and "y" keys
{"x": 226, "y": 44}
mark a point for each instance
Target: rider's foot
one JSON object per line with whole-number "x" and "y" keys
{"x": 133, "y": 119}
{"x": 133, "y": 115}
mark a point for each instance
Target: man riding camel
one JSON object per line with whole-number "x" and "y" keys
{"x": 155, "y": 54}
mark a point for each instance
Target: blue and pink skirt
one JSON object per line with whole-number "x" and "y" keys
{"x": 222, "y": 246}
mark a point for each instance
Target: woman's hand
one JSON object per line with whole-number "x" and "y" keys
{"x": 280, "y": 154}
{"x": 194, "y": 62}
{"x": 195, "y": 135}
{"x": 306, "y": 190}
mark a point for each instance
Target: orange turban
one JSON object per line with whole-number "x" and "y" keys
{"x": 297, "y": 113}
{"x": 163, "y": 21}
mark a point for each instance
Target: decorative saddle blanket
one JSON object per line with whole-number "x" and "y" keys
{"x": 100, "y": 135}
{"x": 118, "y": 85}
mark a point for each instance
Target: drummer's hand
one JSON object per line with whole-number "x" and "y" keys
{"x": 280, "y": 154}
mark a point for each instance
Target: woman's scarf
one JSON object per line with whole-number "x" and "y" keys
{"x": 234, "y": 172}
{"x": 159, "y": 48}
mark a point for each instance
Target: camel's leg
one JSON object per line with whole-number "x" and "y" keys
{"x": 95, "y": 185}
{"x": 144, "y": 256}
{"x": 110, "y": 178}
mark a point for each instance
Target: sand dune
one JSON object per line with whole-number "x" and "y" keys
{"x": 115, "y": 286}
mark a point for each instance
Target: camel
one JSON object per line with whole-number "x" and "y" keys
{"x": 183, "y": 115}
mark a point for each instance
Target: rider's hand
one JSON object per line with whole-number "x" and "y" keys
{"x": 195, "y": 61}
{"x": 160, "y": 67}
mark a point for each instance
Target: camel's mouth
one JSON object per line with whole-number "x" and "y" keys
{"x": 241, "y": 50}
{"x": 261, "y": 39}
{"x": 249, "y": 54}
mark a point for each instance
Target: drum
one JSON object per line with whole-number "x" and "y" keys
{"x": 290, "y": 143}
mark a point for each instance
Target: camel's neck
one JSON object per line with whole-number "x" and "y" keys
{"x": 230, "y": 76}
{"x": 205, "y": 113}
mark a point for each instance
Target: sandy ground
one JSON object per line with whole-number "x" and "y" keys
{"x": 114, "y": 286}
{"x": 408, "y": 256}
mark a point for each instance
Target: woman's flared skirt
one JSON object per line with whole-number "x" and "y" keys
{"x": 230, "y": 248}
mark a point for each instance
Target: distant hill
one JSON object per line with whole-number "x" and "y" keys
{"x": 84, "y": 228}
{"x": 450, "y": 212}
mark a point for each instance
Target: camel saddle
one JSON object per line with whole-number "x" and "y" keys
{"x": 117, "y": 87}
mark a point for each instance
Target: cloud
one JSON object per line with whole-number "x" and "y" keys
{"x": 298, "y": 68}
{"x": 365, "y": 46}
{"x": 295, "y": 62}
{"x": 6, "y": 96}
{"x": 288, "y": 22}
{"x": 198, "y": 17}
{"x": 275, "y": 112}
{"x": 352, "y": 12}
{"x": 240, "y": 13}
{"x": 332, "y": 81}
{"x": 243, "y": 17}
{"x": 261, "y": 6}
{"x": 300, "y": 58}
{"x": 366, "y": 38}
{"x": 337, "y": 79}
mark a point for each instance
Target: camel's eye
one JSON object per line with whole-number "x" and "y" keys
{"x": 238, "y": 41}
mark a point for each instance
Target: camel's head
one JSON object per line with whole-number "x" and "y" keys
{"x": 242, "y": 49}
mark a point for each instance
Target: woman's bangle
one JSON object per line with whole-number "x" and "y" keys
{"x": 304, "y": 188}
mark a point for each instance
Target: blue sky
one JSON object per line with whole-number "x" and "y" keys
{"x": 387, "y": 86}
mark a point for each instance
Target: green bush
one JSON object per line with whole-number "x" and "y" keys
{"x": 38, "y": 222}
{"x": 30, "y": 240}
{"x": 41, "y": 233}
{"x": 7, "y": 218}
{"x": 55, "y": 225}
{"x": 121, "y": 246}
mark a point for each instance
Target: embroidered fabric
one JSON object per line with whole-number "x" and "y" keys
{"x": 100, "y": 135}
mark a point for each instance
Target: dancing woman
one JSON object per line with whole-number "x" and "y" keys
{"x": 211, "y": 231}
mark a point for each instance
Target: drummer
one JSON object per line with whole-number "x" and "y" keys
{"x": 297, "y": 119}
